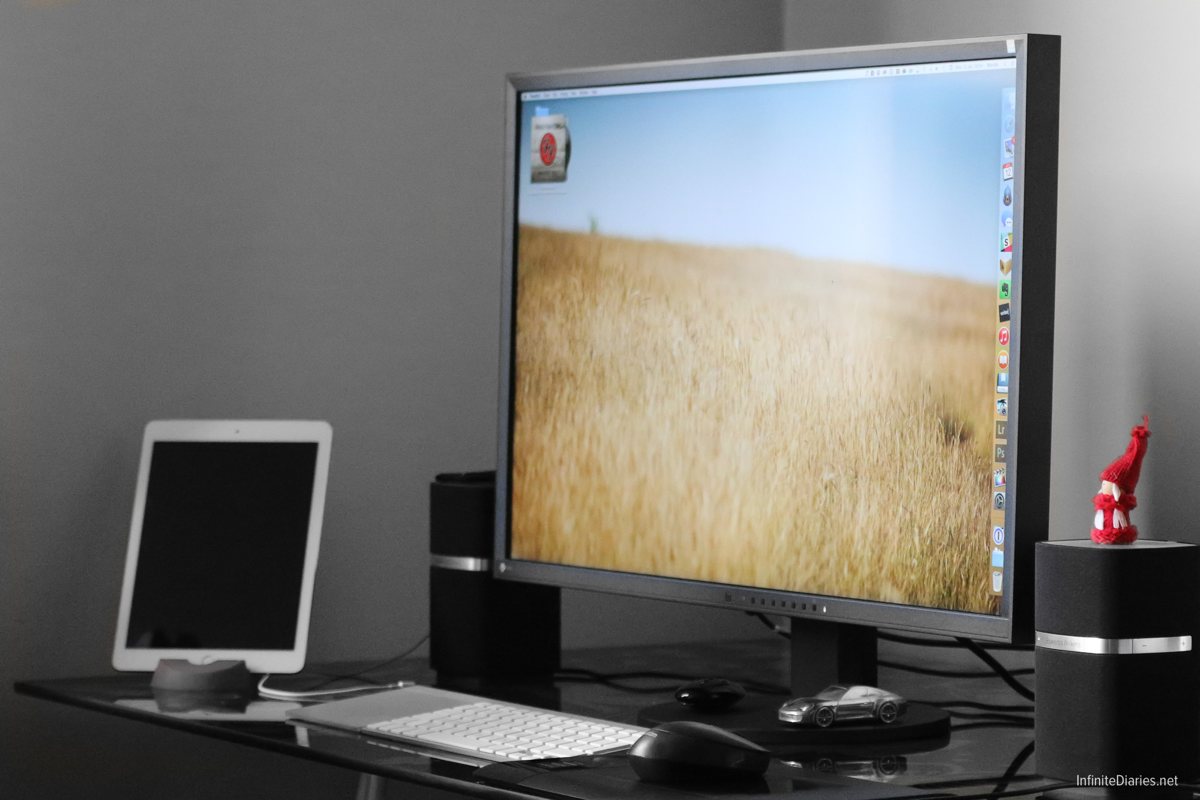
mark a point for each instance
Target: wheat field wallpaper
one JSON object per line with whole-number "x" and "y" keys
{"x": 726, "y": 415}
{"x": 755, "y": 331}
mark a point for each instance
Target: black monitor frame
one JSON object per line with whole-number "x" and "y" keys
{"x": 1028, "y": 458}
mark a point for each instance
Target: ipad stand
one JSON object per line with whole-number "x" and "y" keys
{"x": 217, "y": 677}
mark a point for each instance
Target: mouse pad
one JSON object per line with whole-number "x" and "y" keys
{"x": 608, "y": 777}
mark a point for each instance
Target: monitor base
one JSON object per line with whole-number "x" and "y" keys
{"x": 755, "y": 719}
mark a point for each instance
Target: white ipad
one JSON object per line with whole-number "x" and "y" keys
{"x": 223, "y": 543}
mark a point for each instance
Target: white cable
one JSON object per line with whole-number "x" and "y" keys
{"x": 283, "y": 694}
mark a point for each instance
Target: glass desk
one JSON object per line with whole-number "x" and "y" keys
{"x": 988, "y": 753}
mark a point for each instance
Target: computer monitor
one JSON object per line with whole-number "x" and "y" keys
{"x": 777, "y": 336}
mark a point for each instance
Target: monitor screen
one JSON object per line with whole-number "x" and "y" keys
{"x": 763, "y": 333}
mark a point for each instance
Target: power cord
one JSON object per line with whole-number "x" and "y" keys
{"x": 365, "y": 686}
{"x": 1003, "y": 672}
{"x": 997, "y": 669}
{"x": 613, "y": 679}
{"x": 380, "y": 665}
{"x": 579, "y": 675}
{"x": 1001, "y": 788}
{"x": 991, "y": 717}
{"x": 948, "y": 673}
{"x": 997, "y": 708}
{"x": 993, "y": 795}
{"x": 923, "y": 641}
{"x": 283, "y": 694}
{"x": 990, "y": 723}
{"x": 773, "y": 627}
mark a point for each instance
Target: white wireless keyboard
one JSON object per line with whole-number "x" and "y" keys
{"x": 502, "y": 732}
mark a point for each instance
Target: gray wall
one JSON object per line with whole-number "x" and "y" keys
{"x": 284, "y": 208}
{"x": 1129, "y": 188}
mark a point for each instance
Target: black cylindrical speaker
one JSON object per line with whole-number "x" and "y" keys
{"x": 479, "y": 626}
{"x": 1118, "y": 695}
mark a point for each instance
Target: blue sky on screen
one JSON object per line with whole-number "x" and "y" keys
{"x": 900, "y": 171}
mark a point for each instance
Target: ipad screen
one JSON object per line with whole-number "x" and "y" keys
{"x": 221, "y": 559}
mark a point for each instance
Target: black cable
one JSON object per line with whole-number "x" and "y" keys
{"x": 1050, "y": 787}
{"x": 922, "y": 641}
{"x": 998, "y": 707}
{"x": 761, "y": 617}
{"x": 583, "y": 676}
{"x": 992, "y": 716}
{"x": 579, "y": 674}
{"x": 346, "y": 676}
{"x": 990, "y": 723}
{"x": 1002, "y": 783}
{"x": 994, "y": 795}
{"x": 1002, "y": 671}
{"x": 380, "y": 665}
{"x": 948, "y": 673}
{"x": 1013, "y": 767}
{"x": 1017, "y": 715}
{"x": 919, "y": 641}
{"x": 645, "y": 673}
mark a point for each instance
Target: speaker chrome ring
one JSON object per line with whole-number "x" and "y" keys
{"x": 1095, "y": 645}
{"x": 460, "y": 563}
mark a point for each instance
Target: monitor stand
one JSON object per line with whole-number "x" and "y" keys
{"x": 822, "y": 654}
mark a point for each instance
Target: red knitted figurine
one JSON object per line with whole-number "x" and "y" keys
{"x": 1115, "y": 499}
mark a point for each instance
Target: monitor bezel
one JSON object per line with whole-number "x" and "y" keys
{"x": 1031, "y": 324}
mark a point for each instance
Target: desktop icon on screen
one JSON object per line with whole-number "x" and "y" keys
{"x": 997, "y": 581}
{"x": 998, "y": 536}
{"x": 1003, "y": 335}
{"x": 1005, "y": 313}
{"x": 551, "y": 149}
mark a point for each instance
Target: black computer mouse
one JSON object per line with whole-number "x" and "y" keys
{"x": 710, "y": 694}
{"x": 684, "y": 751}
